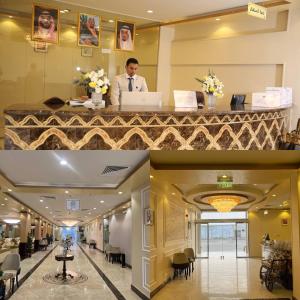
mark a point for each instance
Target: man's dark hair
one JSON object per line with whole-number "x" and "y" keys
{"x": 131, "y": 61}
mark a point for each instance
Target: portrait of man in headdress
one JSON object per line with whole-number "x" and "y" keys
{"x": 45, "y": 24}
{"x": 89, "y": 30}
{"x": 125, "y": 36}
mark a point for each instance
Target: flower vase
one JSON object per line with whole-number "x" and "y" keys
{"x": 211, "y": 103}
{"x": 96, "y": 98}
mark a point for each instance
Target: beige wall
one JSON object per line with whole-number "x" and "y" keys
{"x": 259, "y": 224}
{"x": 140, "y": 244}
{"x": 94, "y": 231}
{"x": 246, "y": 53}
{"x": 170, "y": 233}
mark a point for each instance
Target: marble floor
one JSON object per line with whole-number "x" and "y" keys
{"x": 120, "y": 277}
{"x": 35, "y": 288}
{"x": 215, "y": 279}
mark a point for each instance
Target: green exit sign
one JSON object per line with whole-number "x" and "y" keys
{"x": 225, "y": 182}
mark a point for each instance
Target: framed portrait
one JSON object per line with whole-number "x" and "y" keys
{"x": 45, "y": 24}
{"x": 88, "y": 30}
{"x": 149, "y": 216}
{"x": 86, "y": 52}
{"x": 124, "y": 36}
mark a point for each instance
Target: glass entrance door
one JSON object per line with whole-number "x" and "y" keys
{"x": 222, "y": 240}
{"x": 202, "y": 240}
{"x": 242, "y": 239}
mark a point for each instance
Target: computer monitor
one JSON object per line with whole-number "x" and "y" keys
{"x": 238, "y": 100}
{"x": 141, "y": 98}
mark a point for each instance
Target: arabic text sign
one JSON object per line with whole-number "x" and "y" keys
{"x": 257, "y": 11}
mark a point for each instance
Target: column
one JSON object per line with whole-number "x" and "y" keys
{"x": 38, "y": 234}
{"x": 25, "y": 226}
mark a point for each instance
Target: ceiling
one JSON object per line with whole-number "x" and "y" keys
{"x": 263, "y": 177}
{"x": 162, "y": 10}
{"x": 37, "y": 181}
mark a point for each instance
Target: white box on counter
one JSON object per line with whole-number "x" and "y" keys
{"x": 286, "y": 94}
{"x": 267, "y": 99}
{"x": 273, "y": 97}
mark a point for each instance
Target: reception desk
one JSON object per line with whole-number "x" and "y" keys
{"x": 137, "y": 128}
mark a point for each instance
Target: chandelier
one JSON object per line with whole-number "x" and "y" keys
{"x": 224, "y": 203}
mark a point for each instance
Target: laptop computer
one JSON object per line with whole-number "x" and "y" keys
{"x": 141, "y": 98}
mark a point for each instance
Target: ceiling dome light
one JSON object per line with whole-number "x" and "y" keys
{"x": 11, "y": 221}
{"x": 150, "y": 11}
{"x": 63, "y": 162}
{"x": 224, "y": 203}
{"x": 70, "y": 223}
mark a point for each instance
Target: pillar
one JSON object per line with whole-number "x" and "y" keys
{"x": 38, "y": 234}
{"x": 25, "y": 227}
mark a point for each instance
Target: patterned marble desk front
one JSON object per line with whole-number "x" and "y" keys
{"x": 137, "y": 128}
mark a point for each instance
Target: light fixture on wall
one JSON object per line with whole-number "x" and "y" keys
{"x": 224, "y": 203}
{"x": 11, "y": 221}
{"x": 266, "y": 212}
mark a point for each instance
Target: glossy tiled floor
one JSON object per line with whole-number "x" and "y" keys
{"x": 35, "y": 288}
{"x": 120, "y": 277}
{"x": 215, "y": 279}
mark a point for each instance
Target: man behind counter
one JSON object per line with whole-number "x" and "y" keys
{"x": 128, "y": 82}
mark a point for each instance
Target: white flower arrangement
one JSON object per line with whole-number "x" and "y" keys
{"x": 95, "y": 81}
{"x": 211, "y": 85}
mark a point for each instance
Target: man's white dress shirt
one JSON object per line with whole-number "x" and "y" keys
{"x": 121, "y": 84}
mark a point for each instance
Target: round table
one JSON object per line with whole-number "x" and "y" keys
{"x": 64, "y": 258}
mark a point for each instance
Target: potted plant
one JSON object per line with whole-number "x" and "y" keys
{"x": 213, "y": 87}
{"x": 29, "y": 245}
{"x": 95, "y": 82}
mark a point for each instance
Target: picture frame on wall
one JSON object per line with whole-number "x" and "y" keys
{"x": 284, "y": 222}
{"x": 149, "y": 216}
{"x": 45, "y": 24}
{"x": 124, "y": 36}
{"x": 86, "y": 52}
{"x": 40, "y": 47}
{"x": 89, "y": 30}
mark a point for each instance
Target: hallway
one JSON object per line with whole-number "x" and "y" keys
{"x": 215, "y": 279}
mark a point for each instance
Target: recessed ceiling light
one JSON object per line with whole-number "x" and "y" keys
{"x": 10, "y": 17}
{"x": 41, "y": 200}
{"x": 150, "y": 11}
{"x": 94, "y": 208}
{"x": 124, "y": 206}
{"x": 101, "y": 201}
{"x": 64, "y": 162}
{"x": 62, "y": 11}
{"x": 10, "y": 190}
{"x": 74, "y": 27}
{"x": 67, "y": 192}
{"x": 2, "y": 204}
{"x": 224, "y": 176}
{"x": 266, "y": 212}
{"x": 89, "y": 213}
{"x": 111, "y": 21}
{"x": 173, "y": 194}
{"x": 218, "y": 19}
{"x": 274, "y": 195}
{"x": 151, "y": 176}
{"x": 78, "y": 68}
{"x": 120, "y": 193}
{"x": 67, "y": 10}
{"x": 46, "y": 207}
{"x": 139, "y": 34}
{"x": 5, "y": 199}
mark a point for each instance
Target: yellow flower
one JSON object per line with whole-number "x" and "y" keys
{"x": 212, "y": 90}
{"x": 92, "y": 84}
{"x": 104, "y": 90}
